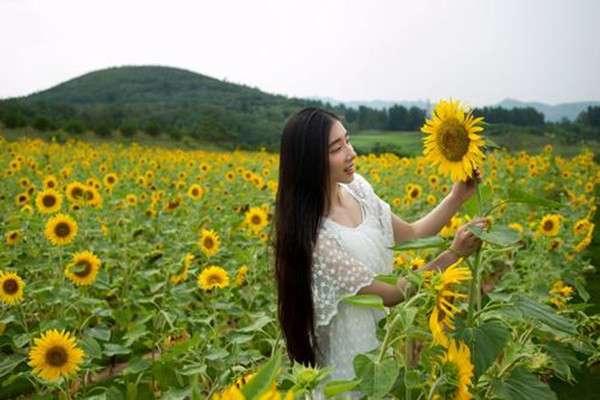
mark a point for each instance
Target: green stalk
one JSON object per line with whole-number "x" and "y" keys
{"x": 475, "y": 286}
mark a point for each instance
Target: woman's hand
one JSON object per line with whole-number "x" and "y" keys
{"x": 465, "y": 242}
{"x": 463, "y": 190}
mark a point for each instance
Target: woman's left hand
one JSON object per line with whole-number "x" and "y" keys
{"x": 463, "y": 190}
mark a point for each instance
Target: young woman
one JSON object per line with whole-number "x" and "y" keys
{"x": 332, "y": 239}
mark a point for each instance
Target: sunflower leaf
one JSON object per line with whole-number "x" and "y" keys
{"x": 520, "y": 196}
{"x": 423, "y": 243}
{"x": 263, "y": 379}
{"x": 499, "y": 235}
{"x": 365, "y": 300}
{"x": 485, "y": 342}
{"x": 378, "y": 378}
{"x": 521, "y": 385}
{"x": 333, "y": 388}
{"x": 542, "y": 313}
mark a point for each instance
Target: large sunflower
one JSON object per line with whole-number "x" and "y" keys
{"x": 452, "y": 141}
{"x": 50, "y": 182}
{"x": 209, "y": 242}
{"x": 11, "y": 288}
{"x": 83, "y": 270}
{"x": 213, "y": 277}
{"x": 457, "y": 371}
{"x": 48, "y": 201}
{"x": 55, "y": 354}
{"x": 61, "y": 230}
{"x": 443, "y": 312}
{"x": 256, "y": 219}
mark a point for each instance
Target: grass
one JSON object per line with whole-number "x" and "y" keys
{"x": 411, "y": 143}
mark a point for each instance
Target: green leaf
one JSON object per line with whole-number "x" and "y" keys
{"x": 333, "y": 388}
{"x": 263, "y": 379}
{"x": 9, "y": 363}
{"x": 522, "y": 385}
{"x": 485, "y": 342}
{"x": 136, "y": 365}
{"x": 500, "y": 235}
{"x": 407, "y": 317}
{"x": 111, "y": 349}
{"x": 519, "y": 196}
{"x": 134, "y": 334}
{"x": 99, "y": 332}
{"x": 387, "y": 278}
{"x": 565, "y": 359}
{"x": 544, "y": 314}
{"x": 365, "y": 300}
{"x": 583, "y": 293}
{"x": 413, "y": 379}
{"x": 91, "y": 347}
{"x": 257, "y": 325}
{"x": 423, "y": 243}
{"x": 378, "y": 378}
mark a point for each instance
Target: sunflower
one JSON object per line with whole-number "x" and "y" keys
{"x": 21, "y": 199}
{"x": 11, "y": 288}
{"x": 457, "y": 371}
{"x": 240, "y": 278}
{"x": 61, "y": 230}
{"x": 12, "y": 237}
{"x": 75, "y": 191}
{"x": 256, "y": 219}
{"x": 110, "y": 179}
{"x": 416, "y": 263}
{"x": 234, "y": 391}
{"x": 50, "y": 182}
{"x": 209, "y": 242}
{"x": 415, "y": 192}
{"x": 131, "y": 199}
{"x": 92, "y": 197}
{"x": 213, "y": 277}
{"x": 230, "y": 176}
{"x": 550, "y": 225}
{"x": 183, "y": 275}
{"x": 83, "y": 270}
{"x": 195, "y": 192}
{"x": 55, "y": 354}
{"x": 452, "y": 141}
{"x": 48, "y": 201}
{"x": 443, "y": 311}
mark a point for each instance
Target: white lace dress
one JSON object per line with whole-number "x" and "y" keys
{"x": 345, "y": 259}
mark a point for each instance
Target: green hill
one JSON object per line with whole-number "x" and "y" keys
{"x": 161, "y": 99}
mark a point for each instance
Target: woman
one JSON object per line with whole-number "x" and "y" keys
{"x": 332, "y": 239}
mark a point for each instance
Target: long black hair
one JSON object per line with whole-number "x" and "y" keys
{"x": 302, "y": 197}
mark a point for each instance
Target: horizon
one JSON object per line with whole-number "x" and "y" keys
{"x": 316, "y": 97}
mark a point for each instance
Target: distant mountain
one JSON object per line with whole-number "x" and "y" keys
{"x": 555, "y": 113}
{"x": 169, "y": 99}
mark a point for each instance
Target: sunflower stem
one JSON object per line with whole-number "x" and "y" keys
{"x": 474, "y": 287}
{"x": 23, "y": 319}
{"x": 407, "y": 353}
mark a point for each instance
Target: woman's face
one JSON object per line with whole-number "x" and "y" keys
{"x": 341, "y": 154}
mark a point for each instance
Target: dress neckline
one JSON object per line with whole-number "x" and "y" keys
{"x": 363, "y": 212}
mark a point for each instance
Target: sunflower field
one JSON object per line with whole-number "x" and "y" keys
{"x": 131, "y": 272}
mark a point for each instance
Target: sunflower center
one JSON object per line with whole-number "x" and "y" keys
{"x": 10, "y": 286}
{"x": 77, "y": 192}
{"x": 256, "y": 220}
{"x": 62, "y": 229}
{"x": 548, "y": 225}
{"x": 208, "y": 243}
{"x": 414, "y": 193}
{"x": 453, "y": 140}
{"x": 214, "y": 280}
{"x": 195, "y": 192}
{"x": 87, "y": 268}
{"x": 57, "y": 356}
{"x": 110, "y": 179}
{"x": 49, "y": 201}
{"x": 50, "y": 184}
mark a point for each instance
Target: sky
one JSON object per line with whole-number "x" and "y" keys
{"x": 478, "y": 51}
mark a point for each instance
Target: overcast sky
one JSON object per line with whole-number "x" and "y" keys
{"x": 479, "y": 51}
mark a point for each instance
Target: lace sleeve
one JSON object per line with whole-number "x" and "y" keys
{"x": 380, "y": 208}
{"x": 336, "y": 275}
